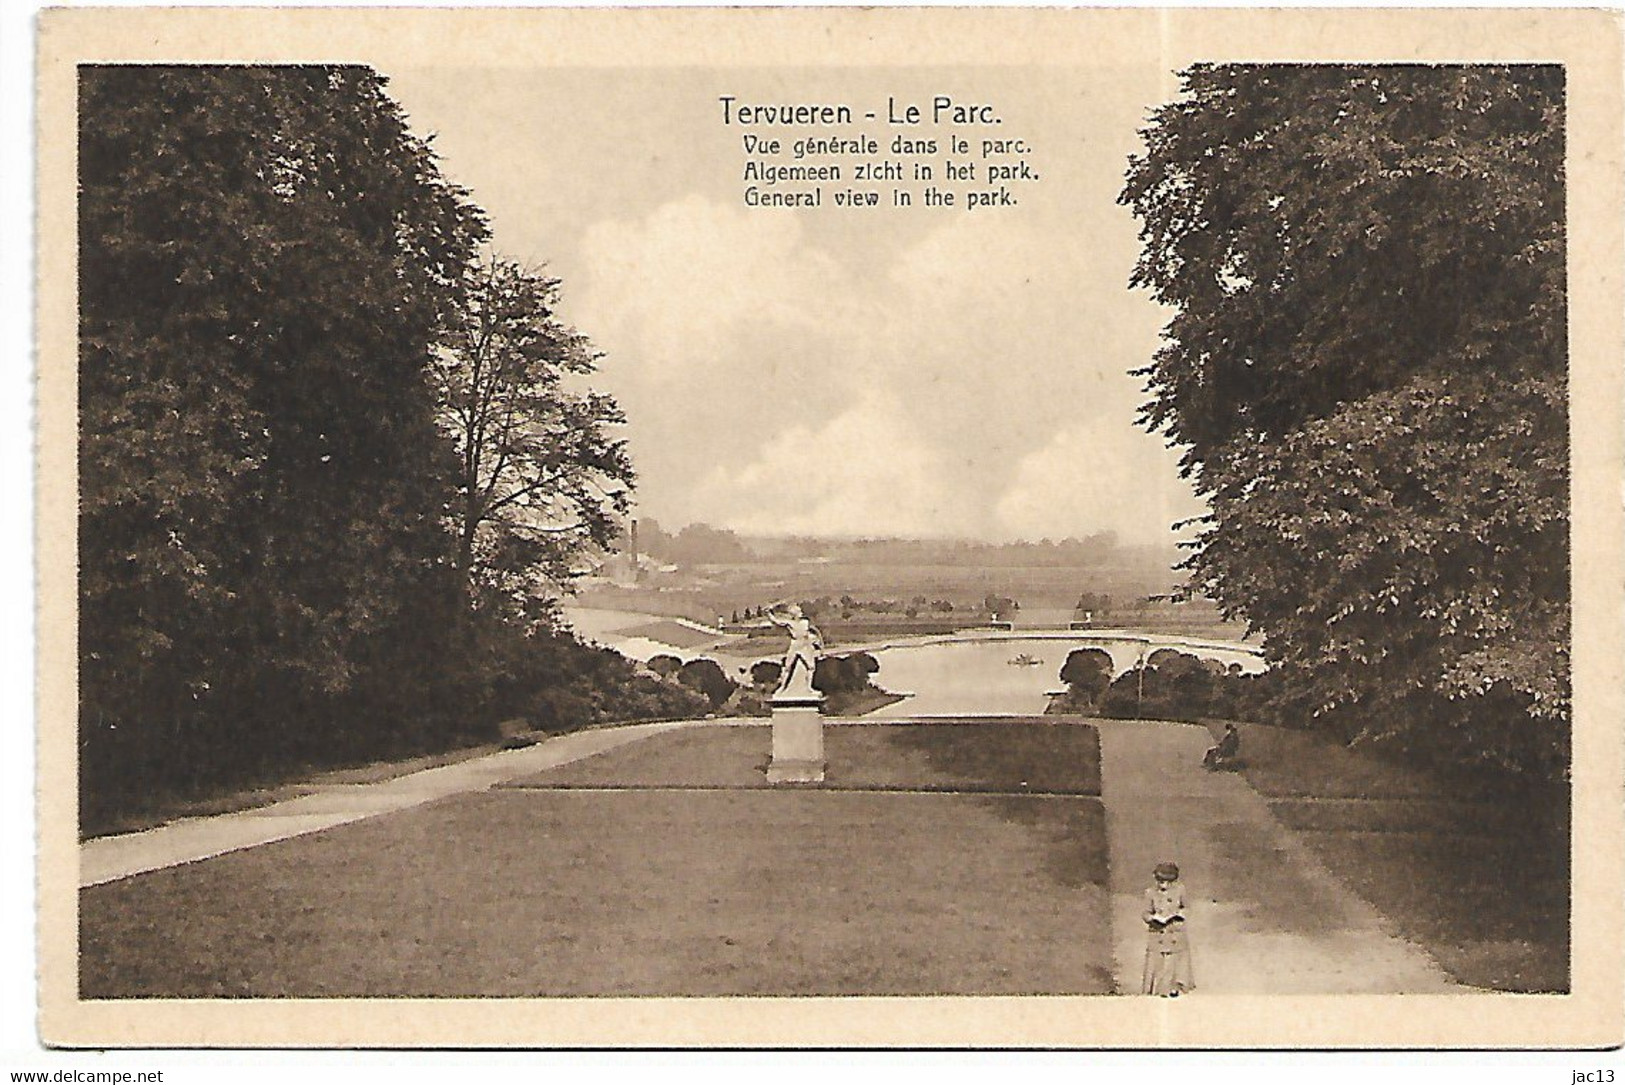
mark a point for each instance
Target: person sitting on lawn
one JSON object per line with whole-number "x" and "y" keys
{"x": 1227, "y": 754}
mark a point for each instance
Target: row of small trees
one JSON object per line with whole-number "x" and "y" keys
{"x": 1167, "y": 685}
{"x": 329, "y": 453}
{"x": 847, "y": 606}
{"x": 832, "y": 674}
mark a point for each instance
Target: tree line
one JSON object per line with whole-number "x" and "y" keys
{"x": 1366, "y": 369}
{"x": 702, "y": 544}
{"x": 334, "y": 457}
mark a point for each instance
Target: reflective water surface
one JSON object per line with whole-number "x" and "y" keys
{"x": 982, "y": 677}
{"x": 974, "y": 677}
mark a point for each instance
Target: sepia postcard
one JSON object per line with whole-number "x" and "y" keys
{"x": 830, "y": 528}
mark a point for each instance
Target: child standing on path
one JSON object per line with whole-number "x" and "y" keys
{"x": 1167, "y": 949}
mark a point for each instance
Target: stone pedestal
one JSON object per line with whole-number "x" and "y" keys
{"x": 798, "y": 741}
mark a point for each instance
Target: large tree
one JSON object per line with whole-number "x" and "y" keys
{"x": 1366, "y": 366}
{"x": 267, "y": 261}
{"x": 540, "y": 474}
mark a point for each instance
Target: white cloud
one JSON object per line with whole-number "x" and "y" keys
{"x": 940, "y": 391}
{"x": 865, "y": 472}
{"x": 720, "y": 327}
{"x": 672, "y": 294}
{"x": 967, "y": 344}
{"x": 1089, "y": 479}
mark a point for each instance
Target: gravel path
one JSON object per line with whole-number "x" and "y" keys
{"x": 1267, "y": 917}
{"x": 108, "y": 858}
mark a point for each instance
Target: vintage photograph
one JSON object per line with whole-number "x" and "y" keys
{"x": 1099, "y": 529}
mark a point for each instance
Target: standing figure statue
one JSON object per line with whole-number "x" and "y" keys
{"x": 802, "y": 655}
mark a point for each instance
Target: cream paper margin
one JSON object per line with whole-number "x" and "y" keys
{"x": 1587, "y": 42}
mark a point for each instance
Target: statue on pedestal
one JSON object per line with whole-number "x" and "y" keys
{"x": 801, "y": 658}
{"x": 798, "y": 726}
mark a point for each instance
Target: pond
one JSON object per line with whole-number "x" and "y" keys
{"x": 980, "y": 677}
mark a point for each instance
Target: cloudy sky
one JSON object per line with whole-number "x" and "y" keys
{"x": 928, "y": 371}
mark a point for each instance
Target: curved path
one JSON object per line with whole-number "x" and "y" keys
{"x": 108, "y": 858}
{"x": 1266, "y": 916}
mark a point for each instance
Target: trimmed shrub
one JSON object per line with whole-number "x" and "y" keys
{"x": 707, "y": 677}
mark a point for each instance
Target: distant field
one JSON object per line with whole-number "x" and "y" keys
{"x": 851, "y": 632}
{"x": 711, "y": 592}
{"x": 674, "y": 633}
{"x": 705, "y": 592}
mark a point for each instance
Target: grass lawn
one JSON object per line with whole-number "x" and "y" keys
{"x": 1470, "y": 867}
{"x": 858, "y": 702}
{"x": 1020, "y": 757}
{"x": 528, "y": 891}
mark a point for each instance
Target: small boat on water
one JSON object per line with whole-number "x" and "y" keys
{"x": 1025, "y": 660}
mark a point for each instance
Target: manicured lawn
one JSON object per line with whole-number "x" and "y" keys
{"x": 529, "y": 891}
{"x": 1022, "y": 757}
{"x": 858, "y": 702}
{"x": 1473, "y": 868}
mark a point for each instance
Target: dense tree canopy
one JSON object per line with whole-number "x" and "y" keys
{"x": 271, "y": 268}
{"x": 1366, "y": 365}
{"x": 267, "y": 257}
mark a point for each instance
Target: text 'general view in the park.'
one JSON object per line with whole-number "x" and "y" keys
{"x": 1105, "y": 535}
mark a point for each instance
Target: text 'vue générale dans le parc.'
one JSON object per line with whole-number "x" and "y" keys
{"x": 938, "y": 153}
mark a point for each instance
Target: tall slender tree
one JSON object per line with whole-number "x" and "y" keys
{"x": 540, "y": 475}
